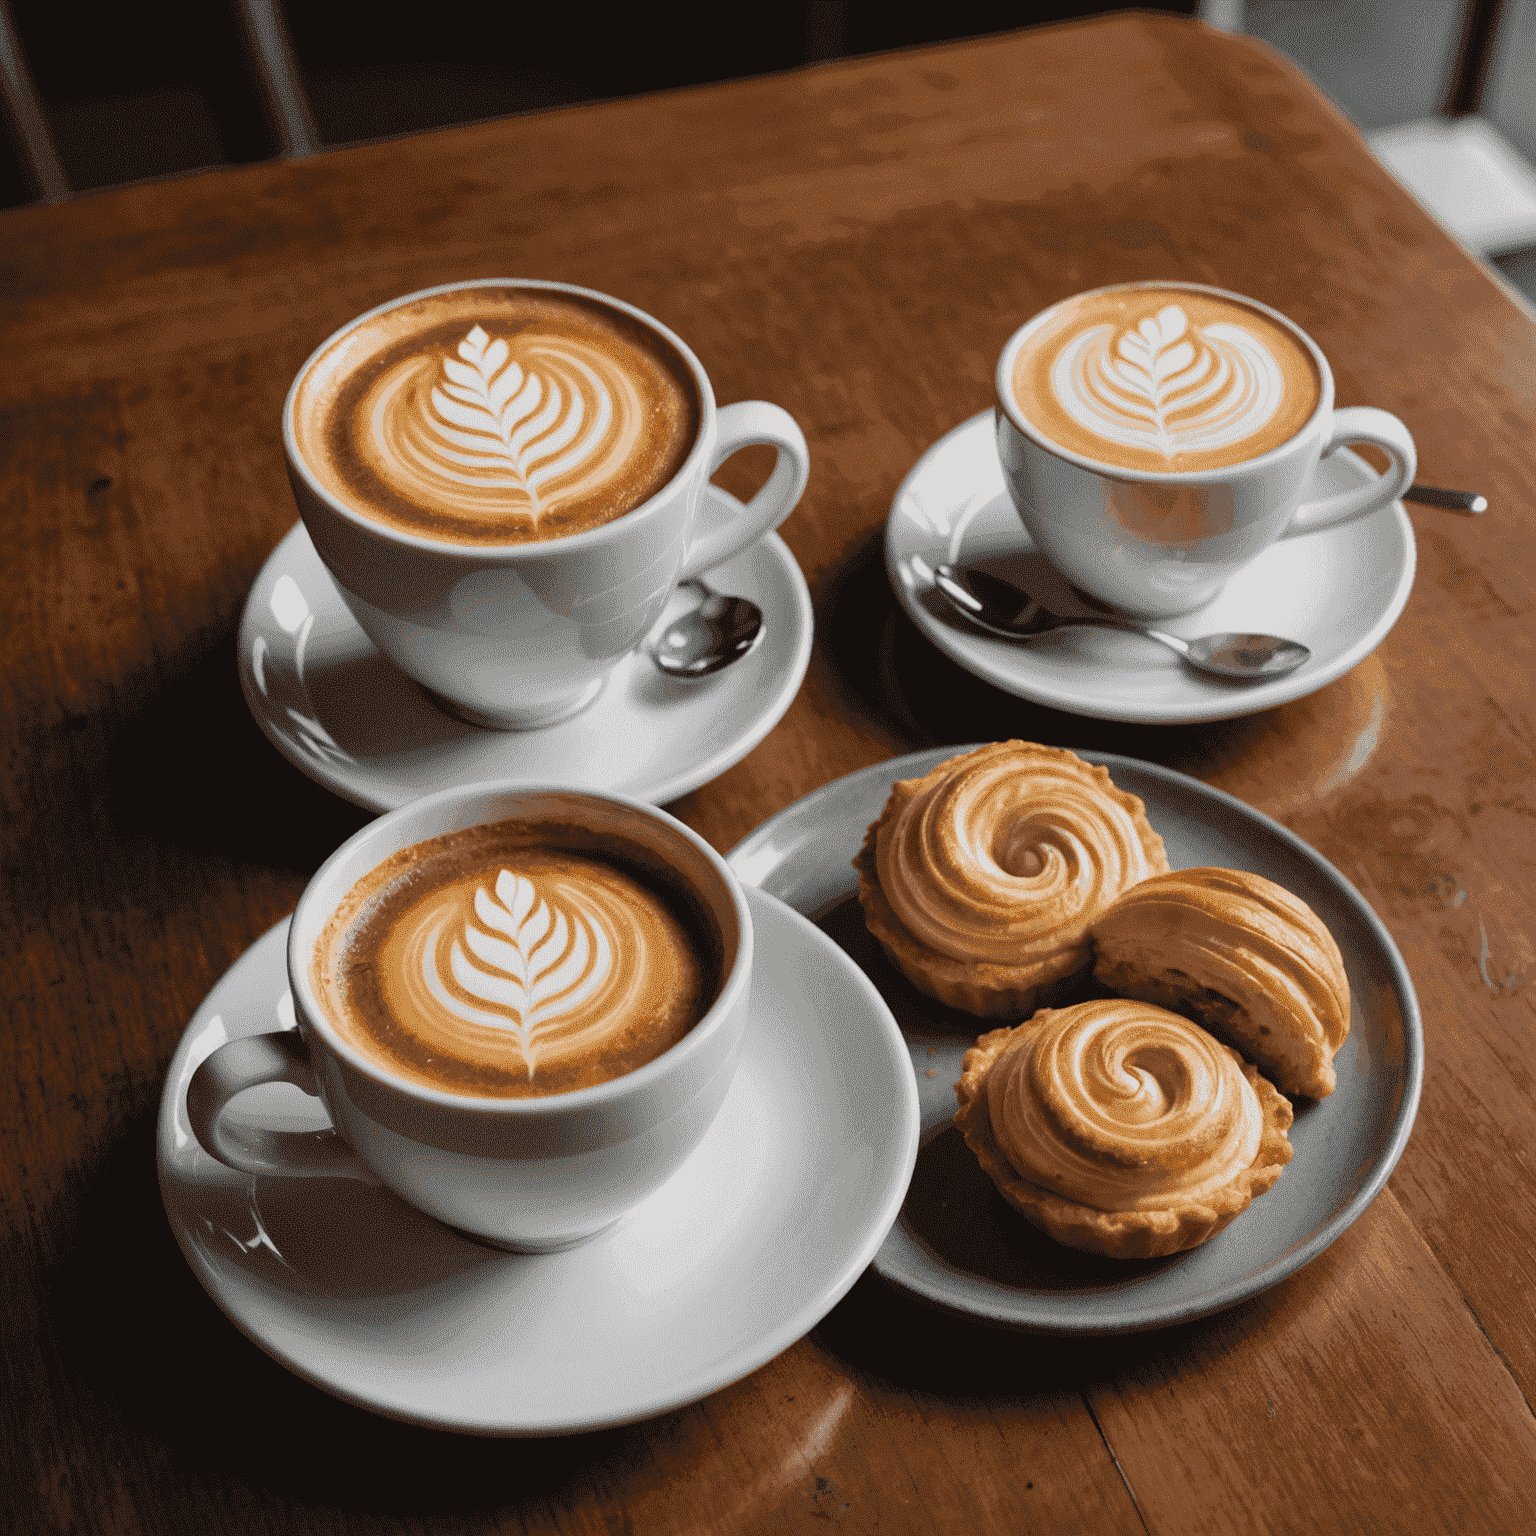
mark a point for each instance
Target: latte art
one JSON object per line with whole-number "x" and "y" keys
{"x": 1161, "y": 378}
{"x": 545, "y": 975}
{"x": 495, "y": 963}
{"x": 1166, "y": 385}
{"x": 488, "y": 433}
{"x": 496, "y": 415}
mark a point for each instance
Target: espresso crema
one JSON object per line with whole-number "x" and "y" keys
{"x": 1164, "y": 379}
{"x": 513, "y": 960}
{"x": 496, "y": 415}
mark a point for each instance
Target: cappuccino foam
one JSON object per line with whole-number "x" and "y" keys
{"x": 515, "y": 960}
{"x": 1164, "y": 379}
{"x": 496, "y": 415}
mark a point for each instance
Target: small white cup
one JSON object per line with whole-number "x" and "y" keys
{"x": 532, "y": 1175}
{"x": 1157, "y": 544}
{"x": 521, "y": 636}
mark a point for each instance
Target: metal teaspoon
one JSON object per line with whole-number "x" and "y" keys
{"x": 1000, "y": 608}
{"x": 699, "y": 643}
{"x": 1468, "y": 503}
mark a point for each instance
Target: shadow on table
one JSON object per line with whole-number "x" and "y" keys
{"x": 886, "y": 667}
{"x": 152, "y": 1372}
{"x": 954, "y": 1357}
{"x": 155, "y": 1376}
{"x": 159, "y": 1382}
{"x": 189, "y": 765}
{"x": 168, "y": 781}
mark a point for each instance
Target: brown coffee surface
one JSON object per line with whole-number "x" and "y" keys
{"x": 1164, "y": 379}
{"x": 496, "y": 415}
{"x": 515, "y": 960}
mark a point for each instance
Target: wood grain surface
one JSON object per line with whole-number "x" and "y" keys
{"x": 855, "y": 242}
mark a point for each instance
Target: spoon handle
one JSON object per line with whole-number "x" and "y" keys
{"x": 1468, "y": 503}
{"x": 1173, "y": 642}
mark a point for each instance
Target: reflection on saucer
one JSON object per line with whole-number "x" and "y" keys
{"x": 336, "y": 709}
{"x": 758, "y": 1235}
{"x": 279, "y": 675}
{"x": 1338, "y": 591}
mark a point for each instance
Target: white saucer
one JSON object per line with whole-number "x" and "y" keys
{"x": 331, "y": 704}
{"x": 957, "y": 1245}
{"x": 759, "y": 1235}
{"x": 1338, "y": 592}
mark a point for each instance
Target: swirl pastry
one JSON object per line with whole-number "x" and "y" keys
{"x": 1120, "y": 1128}
{"x": 980, "y": 879}
{"x": 1242, "y": 956}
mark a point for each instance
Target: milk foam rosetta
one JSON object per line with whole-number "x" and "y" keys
{"x": 513, "y": 970}
{"x": 1123, "y": 1107}
{"x": 493, "y": 415}
{"x": 1165, "y": 379}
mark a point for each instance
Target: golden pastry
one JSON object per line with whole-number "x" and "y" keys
{"x": 980, "y": 878}
{"x": 1240, "y": 955}
{"x": 1120, "y": 1128}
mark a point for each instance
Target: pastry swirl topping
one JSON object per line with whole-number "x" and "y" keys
{"x": 1244, "y": 956}
{"x": 1122, "y": 1106}
{"x": 1006, "y": 854}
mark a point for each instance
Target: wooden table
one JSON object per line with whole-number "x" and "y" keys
{"x": 855, "y": 242}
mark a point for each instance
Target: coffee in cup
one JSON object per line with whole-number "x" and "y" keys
{"x": 1157, "y": 437}
{"x": 521, "y": 1005}
{"x": 516, "y": 959}
{"x": 496, "y": 415}
{"x": 1164, "y": 379}
{"x": 504, "y": 479}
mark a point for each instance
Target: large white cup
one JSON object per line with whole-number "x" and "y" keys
{"x": 1157, "y": 544}
{"x": 520, "y": 636}
{"x": 534, "y": 1175}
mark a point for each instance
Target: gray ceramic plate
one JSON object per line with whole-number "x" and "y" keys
{"x": 956, "y": 1244}
{"x": 338, "y": 711}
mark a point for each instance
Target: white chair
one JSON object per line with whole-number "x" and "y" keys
{"x": 1441, "y": 112}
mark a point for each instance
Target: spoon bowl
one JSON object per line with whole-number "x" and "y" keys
{"x": 1000, "y": 608}
{"x": 708, "y": 638}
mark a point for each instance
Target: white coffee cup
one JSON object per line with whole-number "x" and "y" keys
{"x": 1092, "y": 518}
{"x": 520, "y": 636}
{"x": 528, "y": 1174}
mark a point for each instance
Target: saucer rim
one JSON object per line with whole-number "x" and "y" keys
{"x": 767, "y": 708}
{"x": 819, "y": 1297}
{"x": 811, "y": 811}
{"x": 975, "y": 652}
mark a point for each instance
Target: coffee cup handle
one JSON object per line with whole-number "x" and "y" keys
{"x": 745, "y": 425}
{"x": 1360, "y": 424}
{"x": 239, "y": 1064}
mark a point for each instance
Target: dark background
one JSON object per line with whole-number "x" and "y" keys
{"x": 142, "y": 90}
